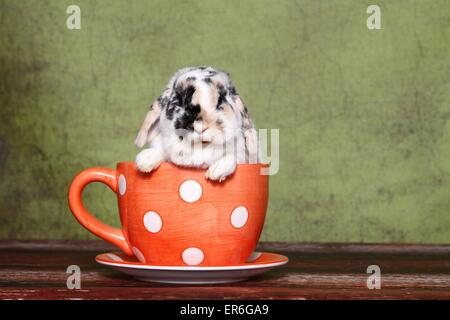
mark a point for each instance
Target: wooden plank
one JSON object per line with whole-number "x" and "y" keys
{"x": 37, "y": 270}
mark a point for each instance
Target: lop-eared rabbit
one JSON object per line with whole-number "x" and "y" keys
{"x": 199, "y": 121}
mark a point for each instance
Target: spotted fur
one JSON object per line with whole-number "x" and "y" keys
{"x": 200, "y": 106}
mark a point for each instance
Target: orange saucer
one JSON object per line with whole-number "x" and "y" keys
{"x": 258, "y": 262}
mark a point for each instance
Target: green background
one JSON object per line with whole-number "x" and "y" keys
{"x": 363, "y": 114}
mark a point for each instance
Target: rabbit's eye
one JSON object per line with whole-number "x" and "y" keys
{"x": 171, "y": 109}
{"x": 183, "y": 96}
{"x": 186, "y": 119}
{"x": 169, "y": 112}
{"x": 220, "y": 102}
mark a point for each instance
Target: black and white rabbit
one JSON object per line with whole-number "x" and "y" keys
{"x": 198, "y": 121}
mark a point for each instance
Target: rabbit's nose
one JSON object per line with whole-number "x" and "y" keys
{"x": 200, "y": 128}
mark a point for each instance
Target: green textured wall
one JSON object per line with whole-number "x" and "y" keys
{"x": 363, "y": 114}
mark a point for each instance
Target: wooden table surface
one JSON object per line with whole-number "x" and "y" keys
{"x": 37, "y": 270}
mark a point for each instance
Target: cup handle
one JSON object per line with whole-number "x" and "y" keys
{"x": 84, "y": 217}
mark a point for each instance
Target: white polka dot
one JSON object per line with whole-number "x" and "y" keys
{"x": 122, "y": 185}
{"x": 152, "y": 222}
{"x": 190, "y": 191}
{"x": 254, "y": 256}
{"x": 193, "y": 256}
{"x": 138, "y": 254}
{"x": 239, "y": 217}
{"x": 114, "y": 257}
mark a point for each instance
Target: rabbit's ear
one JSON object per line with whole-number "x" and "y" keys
{"x": 246, "y": 120}
{"x": 251, "y": 140}
{"x": 148, "y": 129}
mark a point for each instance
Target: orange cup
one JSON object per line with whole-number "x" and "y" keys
{"x": 174, "y": 216}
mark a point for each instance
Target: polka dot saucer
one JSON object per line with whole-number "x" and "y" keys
{"x": 257, "y": 263}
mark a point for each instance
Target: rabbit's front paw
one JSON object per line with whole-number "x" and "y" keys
{"x": 220, "y": 169}
{"x": 149, "y": 159}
